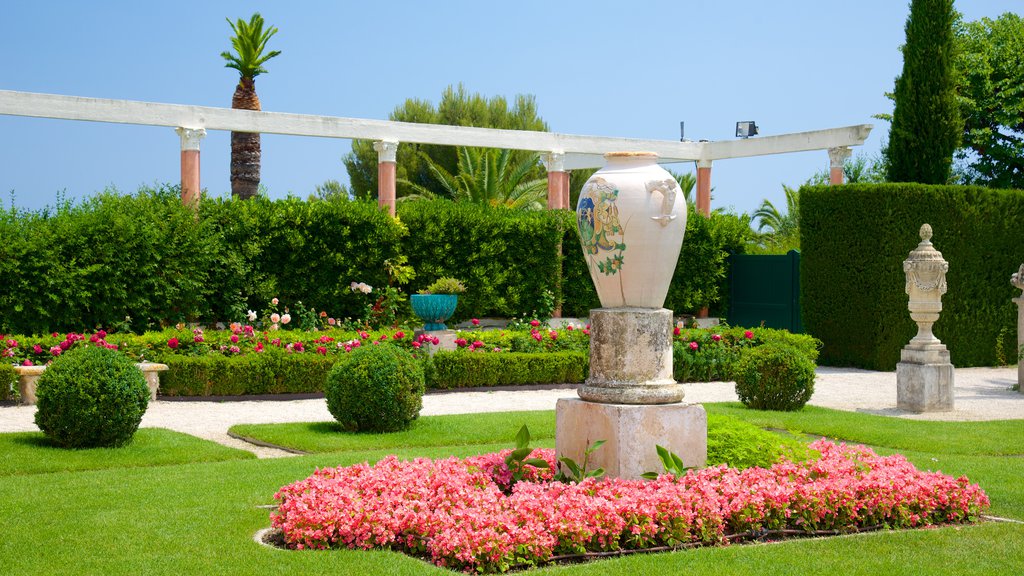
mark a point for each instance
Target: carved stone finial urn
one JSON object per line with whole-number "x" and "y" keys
{"x": 926, "y": 283}
{"x": 924, "y": 375}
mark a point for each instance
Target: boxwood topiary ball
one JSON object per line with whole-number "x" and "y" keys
{"x": 774, "y": 377}
{"x": 375, "y": 389}
{"x": 91, "y": 397}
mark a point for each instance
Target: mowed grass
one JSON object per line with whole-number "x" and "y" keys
{"x": 199, "y": 518}
{"x": 33, "y": 453}
{"x": 426, "y": 431}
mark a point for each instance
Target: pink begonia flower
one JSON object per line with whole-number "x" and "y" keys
{"x": 716, "y": 337}
{"x": 694, "y": 345}
{"x": 286, "y": 318}
{"x": 475, "y": 322}
{"x": 748, "y": 335}
{"x": 172, "y": 343}
{"x": 275, "y": 317}
{"x": 274, "y": 301}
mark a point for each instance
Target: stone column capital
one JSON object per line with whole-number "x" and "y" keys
{"x": 554, "y": 161}
{"x": 837, "y": 156}
{"x": 387, "y": 150}
{"x": 190, "y": 137}
{"x": 703, "y": 163}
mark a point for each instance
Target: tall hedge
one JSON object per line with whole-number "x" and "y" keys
{"x": 507, "y": 258}
{"x": 855, "y": 239}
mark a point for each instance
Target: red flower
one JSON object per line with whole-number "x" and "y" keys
{"x": 321, "y": 350}
{"x": 460, "y": 342}
{"x": 475, "y": 322}
{"x": 234, "y": 338}
{"x": 534, "y": 323}
{"x": 27, "y": 362}
{"x": 748, "y": 335}
{"x": 716, "y": 337}
{"x": 694, "y": 345}
{"x": 553, "y": 335}
{"x": 37, "y": 349}
{"x": 398, "y": 335}
{"x": 676, "y": 331}
{"x": 172, "y": 343}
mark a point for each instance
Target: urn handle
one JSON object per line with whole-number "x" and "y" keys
{"x": 668, "y": 188}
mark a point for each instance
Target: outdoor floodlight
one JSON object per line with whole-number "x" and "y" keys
{"x": 746, "y": 129}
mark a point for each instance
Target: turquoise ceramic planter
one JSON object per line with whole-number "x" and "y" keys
{"x": 434, "y": 309}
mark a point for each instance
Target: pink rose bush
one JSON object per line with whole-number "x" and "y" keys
{"x": 464, "y": 514}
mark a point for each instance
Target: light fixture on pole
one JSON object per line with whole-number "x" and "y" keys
{"x": 746, "y": 129}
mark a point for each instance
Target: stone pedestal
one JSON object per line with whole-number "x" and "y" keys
{"x": 630, "y": 433}
{"x": 446, "y": 339}
{"x": 631, "y": 357}
{"x": 924, "y": 379}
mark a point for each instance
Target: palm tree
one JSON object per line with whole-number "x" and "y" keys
{"x": 249, "y": 42}
{"x": 780, "y": 224}
{"x": 486, "y": 176}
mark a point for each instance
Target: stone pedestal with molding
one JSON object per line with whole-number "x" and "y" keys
{"x": 630, "y": 399}
{"x": 1017, "y": 279}
{"x": 924, "y": 375}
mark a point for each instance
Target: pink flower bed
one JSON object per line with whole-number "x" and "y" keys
{"x": 463, "y": 514}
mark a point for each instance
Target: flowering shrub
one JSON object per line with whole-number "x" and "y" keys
{"x": 710, "y": 354}
{"x": 455, "y": 511}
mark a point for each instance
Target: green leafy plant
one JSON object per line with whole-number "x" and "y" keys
{"x": 445, "y": 285}
{"x": 671, "y": 462}
{"x": 519, "y": 459}
{"x": 570, "y": 471}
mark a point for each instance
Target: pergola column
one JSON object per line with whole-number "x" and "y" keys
{"x": 837, "y": 158}
{"x": 558, "y": 180}
{"x": 704, "y": 187}
{"x": 190, "y": 190}
{"x": 386, "y": 169}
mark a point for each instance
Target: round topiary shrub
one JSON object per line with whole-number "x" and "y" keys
{"x": 774, "y": 377}
{"x": 91, "y": 397}
{"x": 375, "y": 389}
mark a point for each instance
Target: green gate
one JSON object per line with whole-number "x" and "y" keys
{"x": 765, "y": 290}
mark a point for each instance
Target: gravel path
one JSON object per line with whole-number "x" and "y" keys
{"x": 980, "y": 394}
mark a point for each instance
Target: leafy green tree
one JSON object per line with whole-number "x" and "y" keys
{"x": 487, "y": 176}
{"x": 926, "y": 123}
{"x": 991, "y": 64}
{"x": 456, "y": 108}
{"x": 249, "y": 44}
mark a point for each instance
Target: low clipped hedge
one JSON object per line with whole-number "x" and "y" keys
{"x": 8, "y": 381}
{"x": 274, "y": 372}
{"x": 854, "y": 240}
{"x": 714, "y": 359}
{"x": 458, "y": 369}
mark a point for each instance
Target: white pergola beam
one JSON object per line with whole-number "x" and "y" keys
{"x": 580, "y": 151}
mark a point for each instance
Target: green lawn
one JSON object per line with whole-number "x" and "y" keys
{"x": 146, "y": 517}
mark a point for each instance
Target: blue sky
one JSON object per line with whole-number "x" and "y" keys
{"x": 598, "y": 68}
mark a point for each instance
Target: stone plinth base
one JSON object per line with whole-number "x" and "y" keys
{"x": 924, "y": 379}
{"x": 630, "y": 433}
{"x": 631, "y": 357}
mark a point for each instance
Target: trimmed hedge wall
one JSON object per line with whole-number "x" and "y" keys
{"x": 467, "y": 369}
{"x": 855, "y": 239}
{"x": 141, "y": 262}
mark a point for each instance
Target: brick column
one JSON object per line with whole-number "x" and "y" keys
{"x": 190, "y": 190}
{"x": 386, "y": 167}
{"x": 837, "y": 157}
{"x": 704, "y": 187}
{"x": 558, "y": 180}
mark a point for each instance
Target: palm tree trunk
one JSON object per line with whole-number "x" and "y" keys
{"x": 245, "y": 146}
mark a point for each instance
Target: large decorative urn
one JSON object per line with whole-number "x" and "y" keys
{"x": 631, "y": 217}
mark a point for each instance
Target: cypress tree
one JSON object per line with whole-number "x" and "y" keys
{"x": 926, "y": 123}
